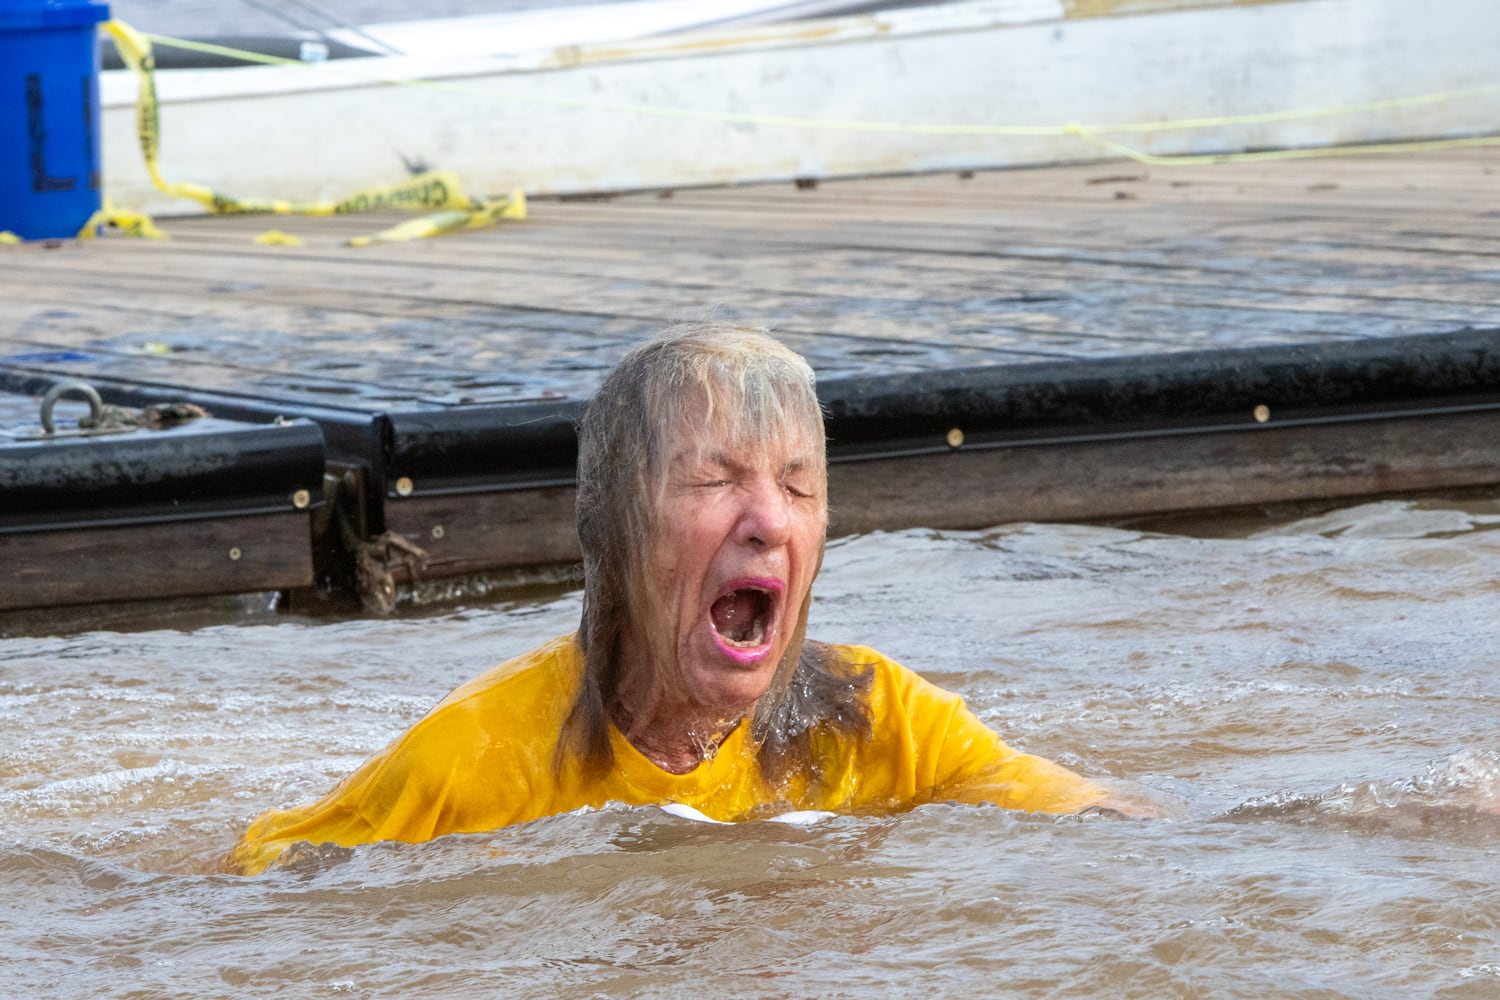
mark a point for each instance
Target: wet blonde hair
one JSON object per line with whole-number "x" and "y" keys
{"x": 739, "y": 380}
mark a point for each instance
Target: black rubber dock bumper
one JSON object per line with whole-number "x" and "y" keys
{"x": 436, "y": 490}
{"x": 1123, "y": 437}
{"x": 152, "y": 504}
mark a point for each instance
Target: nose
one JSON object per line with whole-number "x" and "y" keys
{"x": 765, "y": 521}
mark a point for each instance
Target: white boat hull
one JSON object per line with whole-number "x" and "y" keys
{"x": 643, "y": 114}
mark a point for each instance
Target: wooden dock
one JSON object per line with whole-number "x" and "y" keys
{"x": 1082, "y": 342}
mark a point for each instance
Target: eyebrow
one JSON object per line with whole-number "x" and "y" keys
{"x": 723, "y": 460}
{"x": 717, "y": 459}
{"x": 795, "y": 465}
{"x": 690, "y": 456}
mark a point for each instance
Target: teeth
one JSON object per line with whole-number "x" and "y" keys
{"x": 749, "y": 642}
{"x": 757, "y": 636}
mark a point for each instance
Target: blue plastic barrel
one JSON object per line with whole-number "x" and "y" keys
{"x": 49, "y": 116}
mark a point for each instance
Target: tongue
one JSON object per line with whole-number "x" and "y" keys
{"x": 734, "y": 615}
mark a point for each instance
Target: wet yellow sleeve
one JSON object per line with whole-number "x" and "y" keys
{"x": 480, "y": 760}
{"x": 956, "y": 757}
{"x": 402, "y": 793}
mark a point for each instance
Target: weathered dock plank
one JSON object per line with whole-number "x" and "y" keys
{"x": 230, "y": 555}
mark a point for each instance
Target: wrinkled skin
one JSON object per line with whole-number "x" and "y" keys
{"x": 738, "y": 541}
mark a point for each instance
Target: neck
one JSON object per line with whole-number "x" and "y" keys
{"x": 675, "y": 734}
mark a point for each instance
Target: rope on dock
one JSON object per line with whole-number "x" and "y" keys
{"x": 375, "y": 558}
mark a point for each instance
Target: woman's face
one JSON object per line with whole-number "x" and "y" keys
{"x": 739, "y": 538}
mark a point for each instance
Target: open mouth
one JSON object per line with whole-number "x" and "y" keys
{"x": 744, "y": 616}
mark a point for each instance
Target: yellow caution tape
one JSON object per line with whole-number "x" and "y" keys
{"x": 276, "y": 238}
{"x": 426, "y": 191}
{"x": 438, "y": 223}
{"x": 8, "y": 237}
{"x": 136, "y": 224}
{"x": 429, "y": 191}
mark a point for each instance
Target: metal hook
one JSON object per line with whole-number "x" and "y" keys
{"x": 70, "y": 387}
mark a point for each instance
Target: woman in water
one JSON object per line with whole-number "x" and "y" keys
{"x": 702, "y": 512}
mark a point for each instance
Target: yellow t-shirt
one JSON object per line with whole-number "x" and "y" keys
{"x": 484, "y": 758}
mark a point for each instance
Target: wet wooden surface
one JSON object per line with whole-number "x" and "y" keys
{"x": 143, "y": 561}
{"x": 879, "y": 275}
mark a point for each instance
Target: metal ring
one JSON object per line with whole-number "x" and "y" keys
{"x": 71, "y": 387}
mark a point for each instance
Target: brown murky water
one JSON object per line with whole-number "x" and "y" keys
{"x": 1322, "y": 698}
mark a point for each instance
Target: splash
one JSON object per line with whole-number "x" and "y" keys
{"x": 1454, "y": 794}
